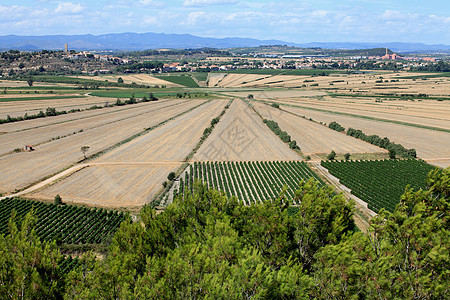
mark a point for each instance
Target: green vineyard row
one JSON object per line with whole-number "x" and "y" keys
{"x": 248, "y": 181}
{"x": 380, "y": 183}
{"x": 65, "y": 223}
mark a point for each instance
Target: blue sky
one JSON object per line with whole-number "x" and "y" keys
{"x": 292, "y": 21}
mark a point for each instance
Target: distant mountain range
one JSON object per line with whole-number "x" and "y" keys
{"x": 141, "y": 41}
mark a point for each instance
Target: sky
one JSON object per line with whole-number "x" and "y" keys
{"x": 286, "y": 20}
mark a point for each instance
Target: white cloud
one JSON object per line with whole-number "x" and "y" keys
{"x": 319, "y": 13}
{"x": 68, "y": 8}
{"x": 207, "y": 2}
{"x": 194, "y": 16}
{"x": 151, "y": 3}
{"x": 12, "y": 11}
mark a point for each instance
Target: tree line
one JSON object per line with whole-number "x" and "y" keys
{"x": 206, "y": 245}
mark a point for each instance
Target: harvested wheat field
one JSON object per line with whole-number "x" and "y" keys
{"x": 431, "y": 113}
{"x": 214, "y": 78}
{"x": 32, "y": 107}
{"x": 71, "y": 124}
{"x": 242, "y": 136}
{"x": 432, "y": 146}
{"x": 24, "y": 168}
{"x": 237, "y": 80}
{"x": 110, "y": 185}
{"x": 132, "y": 174}
{"x": 313, "y": 138}
{"x": 143, "y": 79}
{"x": 262, "y": 94}
{"x": 42, "y": 122}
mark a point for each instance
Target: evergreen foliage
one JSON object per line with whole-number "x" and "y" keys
{"x": 206, "y": 245}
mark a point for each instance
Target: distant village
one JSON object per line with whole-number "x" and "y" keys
{"x": 92, "y": 63}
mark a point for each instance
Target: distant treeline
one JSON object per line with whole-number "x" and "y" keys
{"x": 188, "y": 52}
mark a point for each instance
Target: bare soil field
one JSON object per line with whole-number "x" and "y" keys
{"x": 313, "y": 138}
{"x": 32, "y": 107}
{"x": 132, "y": 174}
{"x": 24, "y": 168}
{"x": 242, "y": 136}
{"x": 145, "y": 79}
{"x": 95, "y": 119}
{"x": 426, "y": 112}
{"x": 432, "y": 146}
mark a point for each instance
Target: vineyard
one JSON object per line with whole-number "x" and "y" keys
{"x": 380, "y": 183}
{"x": 248, "y": 181}
{"x": 65, "y": 223}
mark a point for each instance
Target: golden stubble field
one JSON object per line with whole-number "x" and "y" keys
{"x": 314, "y": 138}
{"x": 132, "y": 174}
{"x": 241, "y": 135}
{"x": 24, "y": 168}
{"x": 144, "y": 79}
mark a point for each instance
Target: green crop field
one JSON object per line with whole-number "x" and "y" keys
{"x": 248, "y": 181}
{"x": 200, "y": 76}
{"x": 68, "y": 223}
{"x": 38, "y": 98}
{"x": 380, "y": 183}
{"x": 184, "y": 79}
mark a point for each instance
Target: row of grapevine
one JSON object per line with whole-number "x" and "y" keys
{"x": 248, "y": 181}
{"x": 65, "y": 223}
{"x": 380, "y": 183}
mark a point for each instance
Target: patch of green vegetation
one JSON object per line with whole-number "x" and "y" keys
{"x": 45, "y": 88}
{"x": 380, "y": 183}
{"x": 183, "y": 79}
{"x": 200, "y": 76}
{"x": 38, "y": 98}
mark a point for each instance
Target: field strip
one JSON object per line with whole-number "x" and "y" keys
{"x": 32, "y": 138}
{"x": 362, "y": 117}
{"x": 312, "y": 137}
{"x": 76, "y": 168}
{"x": 130, "y": 175}
{"x": 76, "y": 119}
{"x": 25, "y": 169}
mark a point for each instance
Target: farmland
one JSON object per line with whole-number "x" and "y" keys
{"x": 380, "y": 183}
{"x": 248, "y": 181}
{"x": 242, "y": 136}
{"x": 431, "y": 145}
{"x": 313, "y": 138}
{"x": 57, "y": 154}
{"x": 133, "y": 148}
{"x": 66, "y": 223}
{"x": 130, "y": 175}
